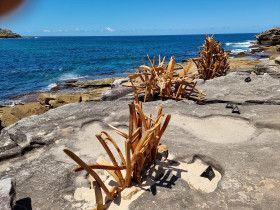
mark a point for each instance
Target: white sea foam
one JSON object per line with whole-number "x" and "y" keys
{"x": 69, "y": 76}
{"x": 50, "y": 86}
{"x": 236, "y": 51}
{"x": 245, "y": 44}
{"x": 264, "y": 59}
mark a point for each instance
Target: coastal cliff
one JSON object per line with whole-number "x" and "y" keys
{"x": 269, "y": 37}
{"x": 8, "y": 34}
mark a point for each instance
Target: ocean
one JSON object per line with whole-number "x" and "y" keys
{"x": 34, "y": 65}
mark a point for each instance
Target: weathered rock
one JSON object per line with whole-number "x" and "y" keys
{"x": 94, "y": 94}
{"x": 15, "y": 113}
{"x": 67, "y": 98}
{"x": 277, "y": 60}
{"x": 44, "y": 98}
{"x": 269, "y": 37}
{"x": 238, "y": 63}
{"x": 278, "y": 48}
{"x": 162, "y": 152}
{"x": 115, "y": 93}
{"x": 241, "y": 55}
{"x": 250, "y": 168}
{"x": 7, "y": 193}
{"x": 269, "y": 66}
{"x": 129, "y": 192}
{"x": 8, "y": 118}
{"x": 105, "y": 82}
{"x": 118, "y": 82}
{"x": 29, "y": 109}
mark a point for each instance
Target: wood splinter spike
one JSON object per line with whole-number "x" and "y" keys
{"x": 141, "y": 146}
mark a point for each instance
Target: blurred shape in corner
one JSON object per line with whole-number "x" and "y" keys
{"x": 7, "y": 6}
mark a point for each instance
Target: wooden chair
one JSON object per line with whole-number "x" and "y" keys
{"x": 171, "y": 81}
{"x": 140, "y": 150}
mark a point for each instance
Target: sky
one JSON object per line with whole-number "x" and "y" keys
{"x": 141, "y": 17}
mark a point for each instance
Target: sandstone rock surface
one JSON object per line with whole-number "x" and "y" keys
{"x": 31, "y": 149}
{"x": 15, "y": 113}
{"x": 269, "y": 37}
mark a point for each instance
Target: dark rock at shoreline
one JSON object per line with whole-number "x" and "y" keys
{"x": 269, "y": 37}
{"x": 8, "y": 34}
{"x": 240, "y": 55}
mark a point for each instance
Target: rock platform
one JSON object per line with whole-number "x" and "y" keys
{"x": 243, "y": 148}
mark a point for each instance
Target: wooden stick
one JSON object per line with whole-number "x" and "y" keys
{"x": 111, "y": 156}
{"x": 128, "y": 164}
{"x": 89, "y": 170}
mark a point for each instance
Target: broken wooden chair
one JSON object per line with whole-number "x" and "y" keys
{"x": 140, "y": 152}
{"x": 171, "y": 80}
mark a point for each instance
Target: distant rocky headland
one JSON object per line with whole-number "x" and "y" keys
{"x": 8, "y": 34}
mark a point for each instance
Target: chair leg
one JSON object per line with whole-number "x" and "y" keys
{"x": 98, "y": 195}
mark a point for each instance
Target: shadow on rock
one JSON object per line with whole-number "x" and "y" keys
{"x": 23, "y": 204}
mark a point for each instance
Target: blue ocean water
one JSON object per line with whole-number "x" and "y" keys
{"x": 31, "y": 65}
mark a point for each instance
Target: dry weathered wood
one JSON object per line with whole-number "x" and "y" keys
{"x": 140, "y": 149}
{"x": 89, "y": 170}
{"x": 213, "y": 60}
{"x": 174, "y": 81}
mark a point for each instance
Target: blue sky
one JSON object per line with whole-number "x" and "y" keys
{"x": 141, "y": 17}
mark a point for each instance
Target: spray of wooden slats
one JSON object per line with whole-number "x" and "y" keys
{"x": 169, "y": 80}
{"x": 213, "y": 60}
{"x": 141, "y": 143}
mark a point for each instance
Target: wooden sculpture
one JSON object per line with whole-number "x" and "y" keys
{"x": 141, "y": 144}
{"x": 170, "y": 80}
{"x": 213, "y": 60}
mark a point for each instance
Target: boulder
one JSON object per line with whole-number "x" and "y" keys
{"x": 269, "y": 37}
{"x": 118, "y": 82}
{"x": 65, "y": 98}
{"x": 115, "y": 93}
{"x": 68, "y": 98}
{"x": 128, "y": 193}
{"x": 277, "y": 60}
{"x": 7, "y": 193}
{"x": 278, "y": 48}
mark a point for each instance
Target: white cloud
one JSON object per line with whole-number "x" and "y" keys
{"x": 60, "y": 30}
{"x": 47, "y": 31}
{"x": 76, "y": 29}
{"x": 109, "y": 29}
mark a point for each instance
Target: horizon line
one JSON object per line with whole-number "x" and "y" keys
{"x": 134, "y": 35}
